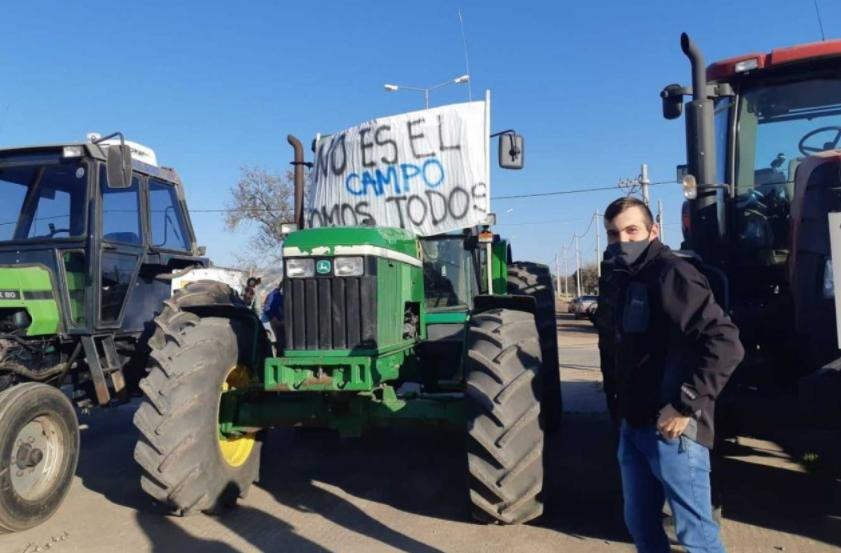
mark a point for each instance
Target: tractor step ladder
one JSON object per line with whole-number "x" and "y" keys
{"x": 104, "y": 364}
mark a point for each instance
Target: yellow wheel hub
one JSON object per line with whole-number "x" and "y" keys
{"x": 236, "y": 449}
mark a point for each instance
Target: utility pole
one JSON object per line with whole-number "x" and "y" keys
{"x": 557, "y": 276}
{"x": 577, "y": 267}
{"x": 644, "y": 182}
{"x": 598, "y": 246}
{"x": 660, "y": 220}
{"x": 566, "y": 274}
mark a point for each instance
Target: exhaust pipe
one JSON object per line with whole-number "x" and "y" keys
{"x": 299, "y": 164}
{"x": 699, "y": 118}
{"x": 699, "y": 70}
{"x": 707, "y": 211}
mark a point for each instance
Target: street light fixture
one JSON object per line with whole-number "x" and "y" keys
{"x": 458, "y": 80}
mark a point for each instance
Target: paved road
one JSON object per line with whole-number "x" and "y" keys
{"x": 403, "y": 491}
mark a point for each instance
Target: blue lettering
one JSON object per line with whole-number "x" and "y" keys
{"x": 407, "y": 176}
{"x": 355, "y": 192}
{"x": 368, "y": 181}
{"x": 391, "y": 172}
{"x": 440, "y": 175}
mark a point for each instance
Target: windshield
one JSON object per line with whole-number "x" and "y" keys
{"x": 779, "y": 125}
{"x": 449, "y": 273}
{"x": 41, "y": 200}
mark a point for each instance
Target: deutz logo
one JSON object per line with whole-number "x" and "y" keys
{"x": 323, "y": 267}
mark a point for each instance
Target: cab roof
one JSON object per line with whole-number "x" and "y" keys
{"x": 724, "y": 69}
{"x": 98, "y": 153}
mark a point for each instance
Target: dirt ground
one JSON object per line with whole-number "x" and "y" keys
{"x": 404, "y": 491}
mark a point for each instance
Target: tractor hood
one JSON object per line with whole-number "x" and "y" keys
{"x": 29, "y": 288}
{"x": 350, "y": 289}
{"x": 391, "y": 243}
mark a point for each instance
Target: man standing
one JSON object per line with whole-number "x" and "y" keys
{"x": 273, "y": 315}
{"x": 667, "y": 351}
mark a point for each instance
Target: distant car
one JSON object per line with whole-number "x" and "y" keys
{"x": 582, "y": 304}
{"x": 592, "y": 312}
{"x": 571, "y": 305}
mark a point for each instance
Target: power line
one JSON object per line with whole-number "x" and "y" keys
{"x": 573, "y": 191}
{"x": 510, "y": 197}
{"x": 231, "y": 210}
{"x": 549, "y": 222}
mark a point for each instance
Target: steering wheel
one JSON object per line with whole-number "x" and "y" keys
{"x": 831, "y": 145}
{"x": 54, "y": 231}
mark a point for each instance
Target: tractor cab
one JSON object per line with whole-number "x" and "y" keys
{"x": 450, "y": 272}
{"x": 763, "y": 135}
{"x": 92, "y": 236}
{"x": 77, "y": 224}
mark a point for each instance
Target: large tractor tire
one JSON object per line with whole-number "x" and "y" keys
{"x": 186, "y": 463}
{"x": 535, "y": 280}
{"x": 39, "y": 450}
{"x": 504, "y": 435}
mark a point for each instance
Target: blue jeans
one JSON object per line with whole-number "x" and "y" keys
{"x": 655, "y": 469}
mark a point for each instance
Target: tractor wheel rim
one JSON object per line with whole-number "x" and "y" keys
{"x": 235, "y": 450}
{"x": 36, "y": 454}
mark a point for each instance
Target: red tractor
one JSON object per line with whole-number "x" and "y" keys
{"x": 763, "y": 173}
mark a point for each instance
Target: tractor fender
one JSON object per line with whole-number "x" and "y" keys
{"x": 208, "y": 298}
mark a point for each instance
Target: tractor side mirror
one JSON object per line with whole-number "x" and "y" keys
{"x": 672, "y": 97}
{"x": 118, "y": 166}
{"x": 511, "y": 151}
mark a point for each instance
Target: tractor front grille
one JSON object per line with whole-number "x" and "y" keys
{"x": 328, "y": 312}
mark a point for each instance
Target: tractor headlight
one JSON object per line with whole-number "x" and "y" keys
{"x": 348, "y": 266}
{"x": 12, "y": 320}
{"x": 21, "y": 319}
{"x": 300, "y": 267}
{"x": 828, "y": 280}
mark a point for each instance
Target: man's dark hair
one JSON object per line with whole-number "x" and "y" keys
{"x": 623, "y": 204}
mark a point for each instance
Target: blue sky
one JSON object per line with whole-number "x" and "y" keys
{"x": 213, "y": 86}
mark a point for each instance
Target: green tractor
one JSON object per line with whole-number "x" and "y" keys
{"x": 89, "y": 240}
{"x": 382, "y": 328}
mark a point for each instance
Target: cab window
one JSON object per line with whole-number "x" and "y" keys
{"x": 166, "y": 223}
{"x": 41, "y": 201}
{"x": 449, "y": 272}
{"x": 120, "y": 211}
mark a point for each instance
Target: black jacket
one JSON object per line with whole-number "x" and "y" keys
{"x": 664, "y": 340}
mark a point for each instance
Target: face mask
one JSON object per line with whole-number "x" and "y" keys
{"x": 625, "y": 254}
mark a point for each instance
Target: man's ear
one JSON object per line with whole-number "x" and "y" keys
{"x": 654, "y": 232}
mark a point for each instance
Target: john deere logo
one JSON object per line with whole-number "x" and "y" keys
{"x": 323, "y": 267}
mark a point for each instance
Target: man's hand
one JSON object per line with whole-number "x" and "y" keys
{"x": 670, "y": 423}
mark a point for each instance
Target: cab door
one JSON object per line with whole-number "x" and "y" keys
{"x": 121, "y": 247}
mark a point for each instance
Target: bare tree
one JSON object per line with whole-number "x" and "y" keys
{"x": 589, "y": 280}
{"x": 265, "y": 200}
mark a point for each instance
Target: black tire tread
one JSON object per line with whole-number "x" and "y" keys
{"x": 177, "y": 449}
{"x": 535, "y": 280}
{"x": 504, "y": 434}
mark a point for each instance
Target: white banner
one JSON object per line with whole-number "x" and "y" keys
{"x": 424, "y": 171}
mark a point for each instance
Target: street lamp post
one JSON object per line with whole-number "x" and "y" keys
{"x": 458, "y": 80}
